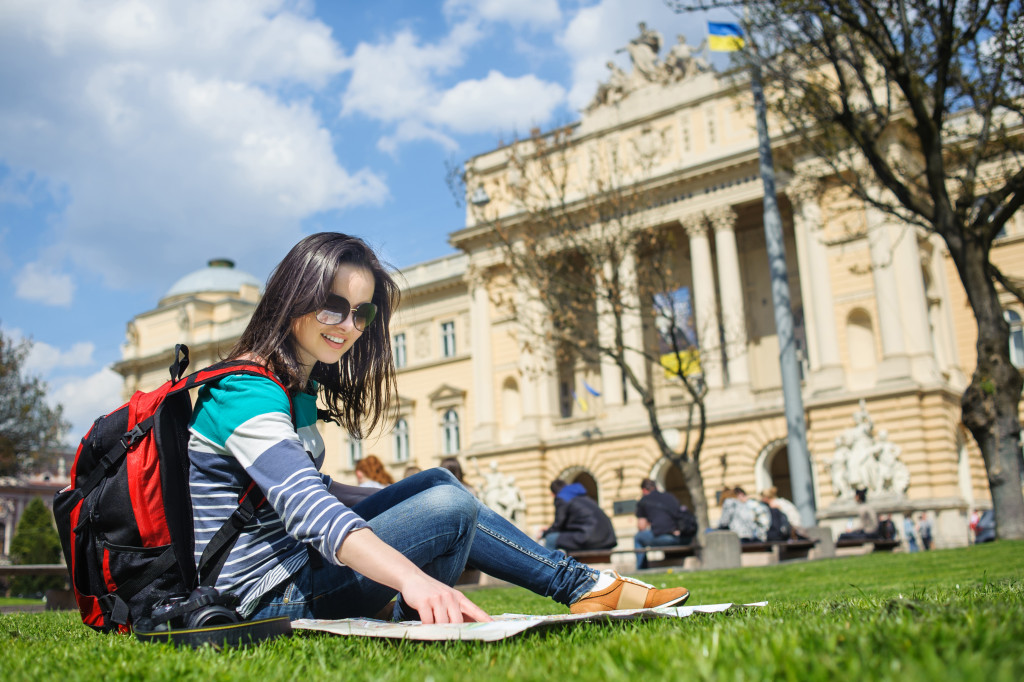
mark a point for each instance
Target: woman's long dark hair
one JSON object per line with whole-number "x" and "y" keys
{"x": 358, "y": 390}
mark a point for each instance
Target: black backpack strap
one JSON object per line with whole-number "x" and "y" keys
{"x": 117, "y": 601}
{"x": 180, "y": 363}
{"x": 216, "y": 553}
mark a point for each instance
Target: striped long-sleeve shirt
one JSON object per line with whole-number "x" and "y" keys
{"x": 242, "y": 429}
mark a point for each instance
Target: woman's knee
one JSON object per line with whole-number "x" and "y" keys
{"x": 449, "y": 500}
{"x": 438, "y": 476}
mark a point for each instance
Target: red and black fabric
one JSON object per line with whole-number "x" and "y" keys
{"x": 125, "y": 521}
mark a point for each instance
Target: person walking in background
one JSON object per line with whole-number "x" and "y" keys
{"x": 908, "y": 533}
{"x": 657, "y": 519}
{"x": 370, "y": 473}
{"x": 452, "y": 465}
{"x": 924, "y": 531}
{"x": 579, "y": 522}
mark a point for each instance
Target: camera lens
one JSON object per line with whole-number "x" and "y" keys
{"x": 211, "y": 616}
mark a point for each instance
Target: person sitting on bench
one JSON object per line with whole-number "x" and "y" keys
{"x": 579, "y": 523}
{"x": 657, "y": 519}
{"x": 749, "y": 519}
{"x": 868, "y": 519}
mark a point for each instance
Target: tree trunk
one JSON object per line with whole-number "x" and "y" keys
{"x": 991, "y": 402}
{"x": 695, "y": 485}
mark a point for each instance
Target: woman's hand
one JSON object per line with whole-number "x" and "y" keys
{"x": 436, "y": 602}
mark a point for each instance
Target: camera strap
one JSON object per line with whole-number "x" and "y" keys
{"x": 221, "y": 636}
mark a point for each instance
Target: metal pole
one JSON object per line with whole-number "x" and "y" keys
{"x": 796, "y": 428}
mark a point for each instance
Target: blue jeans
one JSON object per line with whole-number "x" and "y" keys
{"x": 435, "y": 522}
{"x": 647, "y": 538}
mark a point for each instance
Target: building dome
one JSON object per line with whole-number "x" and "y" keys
{"x": 219, "y": 275}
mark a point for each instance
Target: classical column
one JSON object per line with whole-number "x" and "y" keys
{"x": 483, "y": 371}
{"x": 705, "y": 304}
{"x": 612, "y": 391}
{"x": 917, "y": 331}
{"x": 894, "y": 363}
{"x": 815, "y": 286}
{"x": 632, "y": 321}
{"x": 734, "y": 317}
{"x": 536, "y": 372}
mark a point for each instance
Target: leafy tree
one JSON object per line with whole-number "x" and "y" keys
{"x": 36, "y": 542}
{"x": 582, "y": 277}
{"x": 917, "y": 107}
{"x": 28, "y": 426}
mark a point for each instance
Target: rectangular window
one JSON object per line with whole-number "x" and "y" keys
{"x": 355, "y": 452}
{"x": 401, "y": 440}
{"x": 399, "y": 350}
{"x": 447, "y": 339}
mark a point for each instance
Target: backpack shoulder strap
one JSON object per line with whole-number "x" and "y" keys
{"x": 216, "y": 552}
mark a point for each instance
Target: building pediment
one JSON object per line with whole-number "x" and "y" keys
{"x": 446, "y": 395}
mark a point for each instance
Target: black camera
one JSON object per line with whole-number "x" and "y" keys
{"x": 205, "y": 607}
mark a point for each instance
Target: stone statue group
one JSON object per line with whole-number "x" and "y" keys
{"x": 681, "y": 62}
{"x": 864, "y": 460}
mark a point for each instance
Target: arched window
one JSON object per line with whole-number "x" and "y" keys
{"x": 450, "y": 426}
{"x": 860, "y": 336}
{"x": 1012, "y": 318}
{"x": 511, "y": 408}
{"x": 400, "y": 440}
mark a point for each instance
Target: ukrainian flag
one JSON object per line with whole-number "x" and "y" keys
{"x": 723, "y": 37}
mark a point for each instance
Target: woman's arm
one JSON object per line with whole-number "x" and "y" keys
{"x": 436, "y": 602}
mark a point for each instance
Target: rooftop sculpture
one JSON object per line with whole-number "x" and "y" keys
{"x": 681, "y": 63}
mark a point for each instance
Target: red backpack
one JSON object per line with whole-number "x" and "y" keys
{"x": 125, "y": 521}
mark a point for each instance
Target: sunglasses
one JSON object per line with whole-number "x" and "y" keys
{"x": 337, "y": 309}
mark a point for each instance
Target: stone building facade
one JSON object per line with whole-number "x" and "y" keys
{"x": 882, "y": 320}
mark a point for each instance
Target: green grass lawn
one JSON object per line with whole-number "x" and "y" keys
{"x": 17, "y": 601}
{"x": 943, "y": 615}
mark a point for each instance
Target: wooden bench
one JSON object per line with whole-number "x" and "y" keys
{"x": 878, "y": 544}
{"x": 33, "y": 569}
{"x": 674, "y": 555}
{"x": 55, "y": 599}
{"x": 783, "y": 550}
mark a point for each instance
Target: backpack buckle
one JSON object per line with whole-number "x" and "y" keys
{"x": 132, "y": 437}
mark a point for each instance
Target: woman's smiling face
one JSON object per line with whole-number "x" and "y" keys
{"x": 326, "y": 343}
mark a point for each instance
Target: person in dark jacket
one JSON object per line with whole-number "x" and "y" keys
{"x": 657, "y": 520}
{"x": 579, "y": 522}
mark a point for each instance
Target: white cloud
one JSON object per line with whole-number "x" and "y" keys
{"x": 396, "y": 79}
{"x": 411, "y": 131}
{"x": 535, "y": 13}
{"x": 498, "y": 103}
{"x": 43, "y": 358}
{"x": 399, "y": 81}
{"x": 170, "y": 122}
{"x": 86, "y": 398}
{"x": 40, "y": 283}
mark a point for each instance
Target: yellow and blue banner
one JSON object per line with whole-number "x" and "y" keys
{"x": 725, "y": 37}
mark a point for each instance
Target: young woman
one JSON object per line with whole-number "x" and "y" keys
{"x": 322, "y": 327}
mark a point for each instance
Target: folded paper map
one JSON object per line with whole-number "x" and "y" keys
{"x": 502, "y": 627}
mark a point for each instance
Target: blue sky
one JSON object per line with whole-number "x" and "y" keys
{"x": 140, "y": 138}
